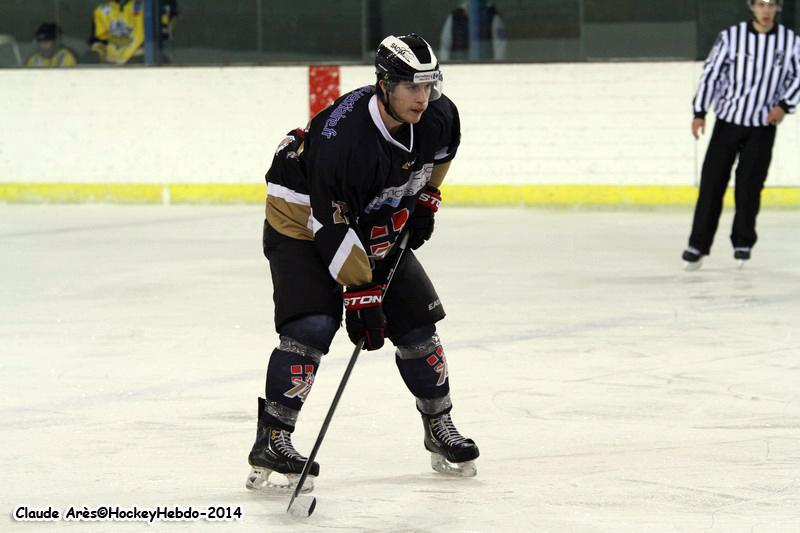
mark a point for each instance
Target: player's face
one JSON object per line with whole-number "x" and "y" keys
{"x": 410, "y": 100}
{"x": 764, "y": 12}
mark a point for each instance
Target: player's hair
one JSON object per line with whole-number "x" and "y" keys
{"x": 48, "y": 31}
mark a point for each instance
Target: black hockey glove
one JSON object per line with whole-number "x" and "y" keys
{"x": 421, "y": 221}
{"x": 364, "y": 316}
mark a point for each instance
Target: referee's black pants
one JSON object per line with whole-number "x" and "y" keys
{"x": 753, "y": 145}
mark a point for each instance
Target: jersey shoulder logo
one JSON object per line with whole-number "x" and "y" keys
{"x": 340, "y": 211}
{"x": 341, "y": 111}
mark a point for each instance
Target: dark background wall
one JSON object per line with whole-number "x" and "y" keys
{"x": 265, "y": 31}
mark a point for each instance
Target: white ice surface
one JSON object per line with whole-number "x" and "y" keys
{"x": 609, "y": 390}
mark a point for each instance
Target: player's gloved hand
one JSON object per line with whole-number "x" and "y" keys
{"x": 421, "y": 221}
{"x": 364, "y": 315}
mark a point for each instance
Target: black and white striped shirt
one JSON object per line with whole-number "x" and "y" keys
{"x": 748, "y": 73}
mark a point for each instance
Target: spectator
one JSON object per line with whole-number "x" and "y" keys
{"x": 118, "y": 32}
{"x": 455, "y": 34}
{"x": 49, "y": 51}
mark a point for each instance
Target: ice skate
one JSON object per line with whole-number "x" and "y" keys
{"x": 742, "y": 255}
{"x": 451, "y": 453}
{"x": 276, "y": 465}
{"x": 692, "y": 258}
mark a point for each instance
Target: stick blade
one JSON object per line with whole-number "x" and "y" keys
{"x": 302, "y": 506}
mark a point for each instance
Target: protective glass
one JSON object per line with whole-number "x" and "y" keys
{"x": 433, "y": 77}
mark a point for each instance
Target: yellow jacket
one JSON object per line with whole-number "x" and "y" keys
{"x": 63, "y": 58}
{"x": 118, "y": 29}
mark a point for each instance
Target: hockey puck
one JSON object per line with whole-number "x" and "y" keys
{"x": 303, "y": 506}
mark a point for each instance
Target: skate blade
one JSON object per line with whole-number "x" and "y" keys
{"x": 740, "y": 263}
{"x": 691, "y": 266}
{"x": 266, "y": 480}
{"x": 443, "y": 466}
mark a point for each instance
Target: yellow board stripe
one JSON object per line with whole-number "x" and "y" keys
{"x": 144, "y": 193}
{"x": 488, "y": 195}
{"x": 598, "y": 195}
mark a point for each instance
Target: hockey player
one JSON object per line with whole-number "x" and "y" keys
{"x": 339, "y": 195}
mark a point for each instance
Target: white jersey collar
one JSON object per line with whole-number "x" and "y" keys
{"x": 376, "y": 118}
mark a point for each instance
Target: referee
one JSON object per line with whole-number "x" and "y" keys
{"x": 752, "y": 76}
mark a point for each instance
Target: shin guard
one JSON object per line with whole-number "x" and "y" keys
{"x": 423, "y": 368}
{"x": 290, "y": 375}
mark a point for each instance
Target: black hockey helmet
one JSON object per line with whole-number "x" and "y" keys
{"x": 408, "y": 58}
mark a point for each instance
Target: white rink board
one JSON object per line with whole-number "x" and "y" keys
{"x": 608, "y": 390}
{"x": 567, "y": 123}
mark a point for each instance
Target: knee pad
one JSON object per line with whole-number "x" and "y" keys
{"x": 415, "y": 337}
{"x": 423, "y": 367}
{"x": 312, "y": 331}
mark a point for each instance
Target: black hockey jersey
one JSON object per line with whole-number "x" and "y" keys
{"x": 349, "y": 186}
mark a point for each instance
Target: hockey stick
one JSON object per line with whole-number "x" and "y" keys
{"x": 308, "y": 509}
